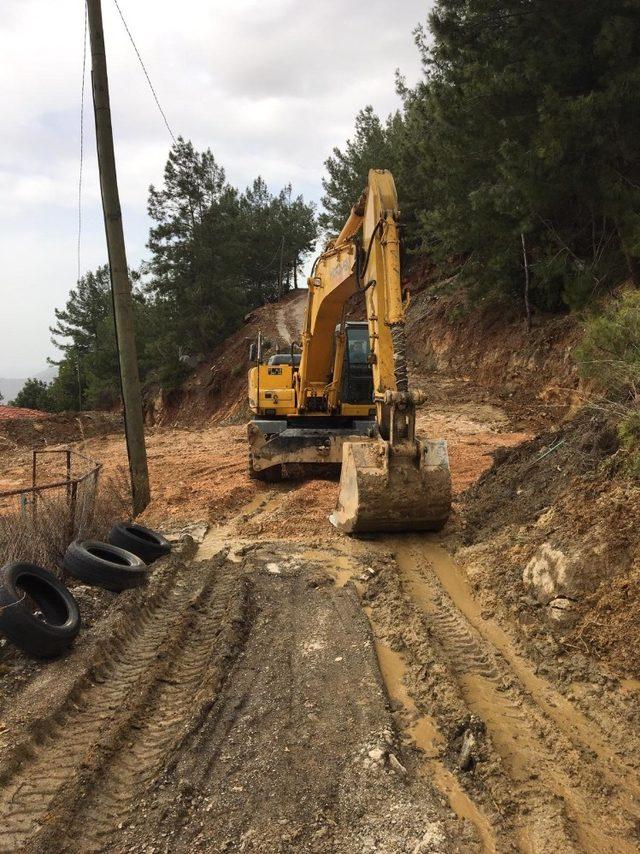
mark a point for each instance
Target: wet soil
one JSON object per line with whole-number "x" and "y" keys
{"x": 281, "y": 688}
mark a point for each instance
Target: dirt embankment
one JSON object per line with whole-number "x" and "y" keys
{"x": 532, "y": 374}
{"x": 551, "y": 535}
{"x": 217, "y": 389}
{"x": 46, "y": 428}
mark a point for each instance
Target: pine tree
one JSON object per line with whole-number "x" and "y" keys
{"x": 371, "y": 147}
{"x": 34, "y": 394}
{"x": 215, "y": 254}
{"x": 523, "y": 129}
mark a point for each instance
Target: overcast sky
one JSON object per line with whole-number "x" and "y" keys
{"x": 269, "y": 85}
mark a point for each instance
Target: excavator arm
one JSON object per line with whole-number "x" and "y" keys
{"x": 347, "y": 266}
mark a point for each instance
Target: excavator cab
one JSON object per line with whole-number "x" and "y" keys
{"x": 357, "y": 377}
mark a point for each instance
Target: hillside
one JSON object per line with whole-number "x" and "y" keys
{"x": 216, "y": 390}
{"x": 532, "y": 374}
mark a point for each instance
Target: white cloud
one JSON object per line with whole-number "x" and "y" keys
{"x": 269, "y": 85}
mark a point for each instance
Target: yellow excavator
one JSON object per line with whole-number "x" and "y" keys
{"x": 344, "y": 399}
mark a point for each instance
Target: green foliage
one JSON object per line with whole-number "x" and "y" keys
{"x": 216, "y": 253}
{"x": 34, "y": 394}
{"x": 609, "y": 353}
{"x": 88, "y": 370}
{"x": 609, "y": 356}
{"x": 372, "y": 147}
{"x": 629, "y": 433}
{"x": 525, "y": 123}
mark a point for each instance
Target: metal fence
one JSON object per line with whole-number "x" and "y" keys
{"x": 80, "y": 488}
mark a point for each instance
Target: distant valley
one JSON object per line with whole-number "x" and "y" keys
{"x": 10, "y": 386}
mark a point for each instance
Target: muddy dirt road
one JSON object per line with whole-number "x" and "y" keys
{"x": 281, "y": 688}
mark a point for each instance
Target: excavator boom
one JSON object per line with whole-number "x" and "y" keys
{"x": 348, "y": 403}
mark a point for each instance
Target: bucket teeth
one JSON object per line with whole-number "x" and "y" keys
{"x": 385, "y": 490}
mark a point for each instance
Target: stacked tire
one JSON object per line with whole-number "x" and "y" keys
{"x": 119, "y": 564}
{"x": 103, "y": 565}
{"x": 141, "y": 541}
{"x": 37, "y": 611}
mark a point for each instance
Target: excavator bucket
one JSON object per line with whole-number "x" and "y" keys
{"x": 393, "y": 489}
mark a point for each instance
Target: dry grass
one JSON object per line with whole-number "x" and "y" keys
{"x": 42, "y": 538}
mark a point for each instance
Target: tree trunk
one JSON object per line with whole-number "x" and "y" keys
{"x": 527, "y": 282}
{"x": 633, "y": 264}
{"x": 280, "y": 282}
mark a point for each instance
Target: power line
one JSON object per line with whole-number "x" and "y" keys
{"x": 84, "y": 68}
{"x": 146, "y": 74}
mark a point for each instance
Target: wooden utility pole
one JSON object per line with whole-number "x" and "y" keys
{"x": 119, "y": 271}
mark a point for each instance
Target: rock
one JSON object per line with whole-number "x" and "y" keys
{"x": 547, "y": 574}
{"x": 274, "y": 569}
{"x": 377, "y": 754}
{"x": 470, "y": 734}
{"x": 195, "y": 530}
{"x": 396, "y": 765}
{"x": 467, "y": 755}
{"x": 433, "y": 840}
{"x": 545, "y": 518}
{"x": 562, "y": 610}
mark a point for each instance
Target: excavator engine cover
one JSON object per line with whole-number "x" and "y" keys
{"x": 407, "y": 488}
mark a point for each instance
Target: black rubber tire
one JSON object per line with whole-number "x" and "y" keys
{"x": 104, "y": 565}
{"x": 45, "y": 636}
{"x": 141, "y": 541}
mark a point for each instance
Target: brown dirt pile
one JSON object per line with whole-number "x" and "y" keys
{"x": 10, "y": 413}
{"x": 552, "y": 534}
{"x": 47, "y": 428}
{"x": 217, "y": 389}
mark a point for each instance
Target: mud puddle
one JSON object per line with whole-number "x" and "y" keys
{"x": 570, "y": 786}
{"x": 424, "y": 733}
{"x": 226, "y": 537}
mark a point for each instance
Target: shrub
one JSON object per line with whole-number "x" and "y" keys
{"x": 42, "y": 537}
{"x": 609, "y": 356}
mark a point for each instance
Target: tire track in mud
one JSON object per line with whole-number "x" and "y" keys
{"x": 197, "y": 673}
{"x": 424, "y": 733}
{"x": 99, "y": 717}
{"x": 569, "y": 796}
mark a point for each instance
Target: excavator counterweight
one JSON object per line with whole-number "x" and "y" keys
{"x": 343, "y": 402}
